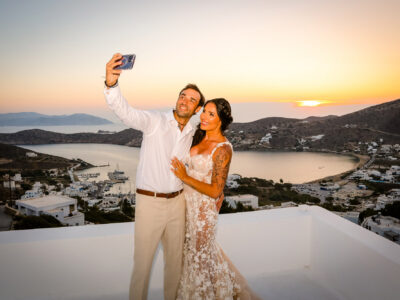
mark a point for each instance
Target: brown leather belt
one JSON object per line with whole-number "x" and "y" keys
{"x": 161, "y": 195}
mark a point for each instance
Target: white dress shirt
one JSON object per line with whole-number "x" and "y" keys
{"x": 162, "y": 140}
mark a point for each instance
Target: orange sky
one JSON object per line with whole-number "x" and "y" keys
{"x": 53, "y": 57}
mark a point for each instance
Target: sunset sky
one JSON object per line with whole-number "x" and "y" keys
{"x": 53, "y": 53}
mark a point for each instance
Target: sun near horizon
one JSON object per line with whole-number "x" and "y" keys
{"x": 311, "y": 103}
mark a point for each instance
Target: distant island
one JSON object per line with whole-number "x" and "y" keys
{"x": 36, "y": 119}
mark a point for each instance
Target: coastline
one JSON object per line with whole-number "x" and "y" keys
{"x": 362, "y": 160}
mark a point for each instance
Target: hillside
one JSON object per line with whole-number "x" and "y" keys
{"x": 14, "y": 158}
{"x": 128, "y": 137}
{"x": 320, "y": 133}
{"x": 316, "y": 133}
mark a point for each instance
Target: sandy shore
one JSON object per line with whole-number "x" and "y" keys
{"x": 362, "y": 160}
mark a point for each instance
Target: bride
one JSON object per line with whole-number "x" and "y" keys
{"x": 207, "y": 272}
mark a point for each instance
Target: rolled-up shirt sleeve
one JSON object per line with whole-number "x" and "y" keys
{"x": 142, "y": 120}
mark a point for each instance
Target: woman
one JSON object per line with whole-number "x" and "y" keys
{"x": 207, "y": 272}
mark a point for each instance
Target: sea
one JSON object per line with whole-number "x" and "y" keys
{"x": 293, "y": 167}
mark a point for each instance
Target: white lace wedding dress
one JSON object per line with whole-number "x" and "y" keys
{"x": 207, "y": 272}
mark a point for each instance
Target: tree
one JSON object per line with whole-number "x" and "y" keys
{"x": 226, "y": 208}
{"x": 31, "y": 222}
{"x": 366, "y": 213}
{"x": 26, "y": 186}
{"x": 354, "y": 202}
{"x": 97, "y": 216}
{"x": 329, "y": 198}
{"x": 127, "y": 209}
{"x": 392, "y": 210}
{"x": 330, "y": 206}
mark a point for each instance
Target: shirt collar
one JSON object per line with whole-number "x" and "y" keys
{"x": 170, "y": 117}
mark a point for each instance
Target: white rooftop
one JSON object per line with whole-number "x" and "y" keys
{"x": 45, "y": 201}
{"x": 303, "y": 252}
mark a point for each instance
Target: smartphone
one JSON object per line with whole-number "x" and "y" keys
{"x": 127, "y": 62}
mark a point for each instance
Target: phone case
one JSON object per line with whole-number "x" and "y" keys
{"x": 127, "y": 62}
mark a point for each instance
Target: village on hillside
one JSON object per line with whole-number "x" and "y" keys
{"x": 368, "y": 195}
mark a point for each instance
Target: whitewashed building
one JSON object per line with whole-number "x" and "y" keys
{"x": 17, "y": 177}
{"x": 62, "y": 208}
{"x": 92, "y": 202}
{"x": 246, "y": 200}
{"x": 53, "y": 172}
{"x": 35, "y": 192}
{"x": 32, "y": 194}
{"x": 330, "y": 187}
{"x": 374, "y": 173}
{"x": 395, "y": 170}
{"x": 387, "y": 148}
{"x": 75, "y": 189}
{"x": 31, "y": 154}
{"x": 385, "y": 226}
{"x": 266, "y": 138}
{"x": 9, "y": 184}
{"x": 231, "y": 181}
{"x": 37, "y": 185}
{"x": 360, "y": 174}
{"x": 395, "y": 193}
{"x": 384, "y": 200}
{"x": 109, "y": 202}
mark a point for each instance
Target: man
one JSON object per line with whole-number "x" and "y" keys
{"x": 160, "y": 205}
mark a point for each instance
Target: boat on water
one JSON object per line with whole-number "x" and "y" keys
{"x": 117, "y": 176}
{"x": 88, "y": 175}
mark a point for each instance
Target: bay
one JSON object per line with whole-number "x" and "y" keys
{"x": 293, "y": 167}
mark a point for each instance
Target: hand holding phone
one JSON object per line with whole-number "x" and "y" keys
{"x": 115, "y": 66}
{"x": 127, "y": 62}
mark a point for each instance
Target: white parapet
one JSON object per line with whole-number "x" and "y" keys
{"x": 303, "y": 252}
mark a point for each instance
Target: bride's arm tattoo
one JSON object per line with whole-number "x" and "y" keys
{"x": 221, "y": 163}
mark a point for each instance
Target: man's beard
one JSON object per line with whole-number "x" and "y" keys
{"x": 183, "y": 114}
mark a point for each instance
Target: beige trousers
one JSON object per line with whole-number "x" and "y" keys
{"x": 157, "y": 219}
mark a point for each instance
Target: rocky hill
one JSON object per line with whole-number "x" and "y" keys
{"x": 129, "y": 137}
{"x": 315, "y": 133}
{"x": 15, "y": 158}
{"x": 320, "y": 133}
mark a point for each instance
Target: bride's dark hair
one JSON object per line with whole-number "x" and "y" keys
{"x": 224, "y": 114}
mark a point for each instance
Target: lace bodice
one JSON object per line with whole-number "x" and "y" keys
{"x": 200, "y": 166}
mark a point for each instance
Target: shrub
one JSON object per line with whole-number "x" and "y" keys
{"x": 31, "y": 222}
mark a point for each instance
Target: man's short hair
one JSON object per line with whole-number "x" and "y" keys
{"x": 194, "y": 87}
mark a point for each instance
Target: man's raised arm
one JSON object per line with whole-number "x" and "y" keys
{"x": 135, "y": 118}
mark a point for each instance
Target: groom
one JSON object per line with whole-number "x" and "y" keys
{"x": 160, "y": 205}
